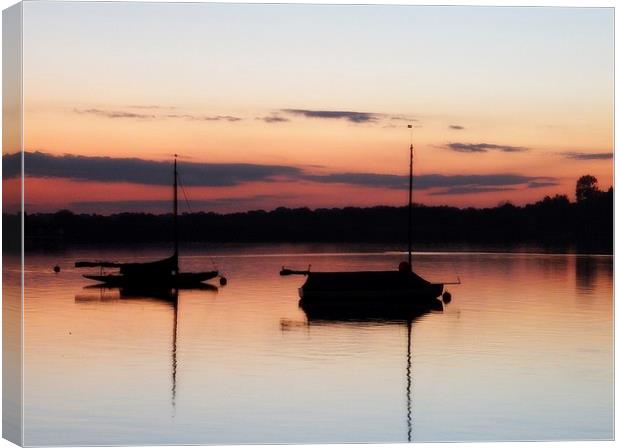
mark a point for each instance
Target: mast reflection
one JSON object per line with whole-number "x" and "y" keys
{"x": 98, "y": 293}
{"x": 324, "y": 315}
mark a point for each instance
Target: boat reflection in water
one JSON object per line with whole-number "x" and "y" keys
{"x": 168, "y": 295}
{"x": 319, "y": 315}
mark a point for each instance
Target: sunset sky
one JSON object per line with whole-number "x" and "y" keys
{"x": 308, "y": 105}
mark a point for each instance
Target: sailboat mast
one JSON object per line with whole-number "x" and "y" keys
{"x": 410, "y": 196}
{"x": 176, "y": 212}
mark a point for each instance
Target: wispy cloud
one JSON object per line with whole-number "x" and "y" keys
{"x": 191, "y": 117}
{"x": 151, "y": 106}
{"x": 104, "y": 113}
{"x": 405, "y": 118}
{"x": 354, "y": 117}
{"x": 456, "y": 127}
{"x": 114, "y": 113}
{"x": 588, "y": 155}
{"x": 273, "y": 119}
{"x": 483, "y": 147}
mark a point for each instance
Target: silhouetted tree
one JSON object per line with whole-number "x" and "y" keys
{"x": 587, "y": 188}
{"x": 558, "y": 201}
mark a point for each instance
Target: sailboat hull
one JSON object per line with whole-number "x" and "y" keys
{"x": 182, "y": 280}
{"x": 370, "y": 289}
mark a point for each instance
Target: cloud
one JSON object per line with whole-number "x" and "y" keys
{"x": 456, "y": 127}
{"x": 139, "y": 171}
{"x": 113, "y": 113}
{"x": 452, "y": 184}
{"x": 588, "y": 155}
{"x": 273, "y": 119}
{"x": 483, "y": 147}
{"x": 191, "y": 117}
{"x": 149, "y": 172}
{"x": 402, "y": 118}
{"x": 151, "y": 106}
{"x": 354, "y": 117}
{"x": 128, "y": 114}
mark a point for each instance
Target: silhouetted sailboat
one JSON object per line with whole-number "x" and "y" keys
{"x": 155, "y": 274}
{"x": 374, "y": 291}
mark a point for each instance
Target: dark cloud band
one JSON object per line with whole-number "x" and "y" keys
{"x": 453, "y": 184}
{"x": 140, "y": 171}
{"x": 148, "y": 172}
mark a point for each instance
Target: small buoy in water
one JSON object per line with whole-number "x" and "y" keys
{"x": 57, "y": 269}
{"x": 223, "y": 281}
{"x": 446, "y": 297}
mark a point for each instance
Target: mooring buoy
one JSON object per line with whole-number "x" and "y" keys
{"x": 56, "y": 269}
{"x": 223, "y": 281}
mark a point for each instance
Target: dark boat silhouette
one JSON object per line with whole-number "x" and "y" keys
{"x": 160, "y": 273}
{"x": 400, "y": 289}
{"x": 368, "y": 308}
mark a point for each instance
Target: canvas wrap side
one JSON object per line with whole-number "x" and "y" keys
{"x": 12, "y": 229}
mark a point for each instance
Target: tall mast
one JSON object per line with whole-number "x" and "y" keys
{"x": 410, "y": 195}
{"x": 176, "y": 212}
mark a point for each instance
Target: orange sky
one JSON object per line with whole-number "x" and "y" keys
{"x": 485, "y": 99}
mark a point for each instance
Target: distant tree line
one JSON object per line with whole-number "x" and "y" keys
{"x": 584, "y": 225}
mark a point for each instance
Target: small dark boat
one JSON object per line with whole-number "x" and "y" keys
{"x": 161, "y": 273}
{"x": 399, "y": 290}
{"x": 155, "y": 274}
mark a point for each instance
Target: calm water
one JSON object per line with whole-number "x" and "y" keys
{"x": 523, "y": 352}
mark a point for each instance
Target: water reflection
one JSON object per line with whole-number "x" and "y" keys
{"x": 334, "y": 315}
{"x": 522, "y": 352}
{"x": 168, "y": 295}
{"x": 589, "y": 268}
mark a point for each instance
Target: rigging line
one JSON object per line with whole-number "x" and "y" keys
{"x": 185, "y": 196}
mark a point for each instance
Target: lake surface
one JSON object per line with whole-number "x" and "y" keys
{"x": 523, "y": 352}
